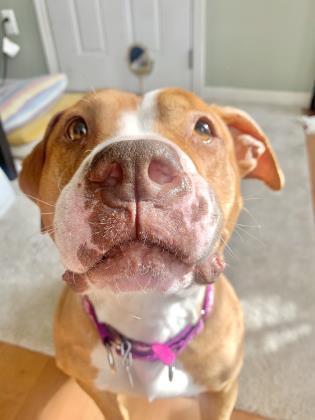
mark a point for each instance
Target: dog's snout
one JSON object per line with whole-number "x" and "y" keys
{"x": 137, "y": 170}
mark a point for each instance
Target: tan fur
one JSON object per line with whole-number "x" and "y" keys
{"x": 214, "y": 357}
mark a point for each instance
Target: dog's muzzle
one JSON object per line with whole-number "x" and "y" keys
{"x": 139, "y": 216}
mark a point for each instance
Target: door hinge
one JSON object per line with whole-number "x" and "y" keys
{"x": 190, "y": 58}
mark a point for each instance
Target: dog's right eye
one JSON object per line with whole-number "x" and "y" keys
{"x": 205, "y": 129}
{"x": 77, "y": 129}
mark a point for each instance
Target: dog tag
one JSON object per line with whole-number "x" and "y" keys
{"x": 170, "y": 372}
{"x": 129, "y": 374}
{"x": 110, "y": 357}
{"x": 127, "y": 359}
{"x": 166, "y": 355}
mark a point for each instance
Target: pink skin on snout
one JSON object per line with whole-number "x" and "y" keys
{"x": 159, "y": 237}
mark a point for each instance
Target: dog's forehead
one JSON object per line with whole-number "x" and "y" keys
{"x": 142, "y": 118}
{"x": 139, "y": 113}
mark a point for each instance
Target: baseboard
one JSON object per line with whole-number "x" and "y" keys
{"x": 213, "y": 94}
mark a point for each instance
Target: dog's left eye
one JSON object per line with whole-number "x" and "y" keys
{"x": 77, "y": 129}
{"x": 204, "y": 128}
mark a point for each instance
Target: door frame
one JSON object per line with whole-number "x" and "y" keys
{"x": 198, "y": 41}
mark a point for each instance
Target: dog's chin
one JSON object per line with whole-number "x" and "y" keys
{"x": 139, "y": 267}
{"x": 135, "y": 267}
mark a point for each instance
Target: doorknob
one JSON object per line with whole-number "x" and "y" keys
{"x": 140, "y": 63}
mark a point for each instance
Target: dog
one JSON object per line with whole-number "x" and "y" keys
{"x": 140, "y": 194}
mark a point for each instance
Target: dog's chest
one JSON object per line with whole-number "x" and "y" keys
{"x": 149, "y": 318}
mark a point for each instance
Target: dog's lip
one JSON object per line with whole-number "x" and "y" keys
{"x": 204, "y": 272}
{"x": 116, "y": 251}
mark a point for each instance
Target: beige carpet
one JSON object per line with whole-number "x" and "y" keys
{"x": 272, "y": 268}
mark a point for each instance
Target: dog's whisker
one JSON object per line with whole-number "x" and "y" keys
{"x": 41, "y": 201}
{"x": 49, "y": 230}
{"x": 49, "y": 226}
{"x": 249, "y": 226}
{"x": 252, "y": 198}
{"x": 228, "y": 247}
{"x": 239, "y": 235}
{"x": 59, "y": 180}
{"x": 92, "y": 89}
{"x": 136, "y": 317}
{"x": 251, "y": 236}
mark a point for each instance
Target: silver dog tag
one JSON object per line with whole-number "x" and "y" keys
{"x": 129, "y": 374}
{"x": 127, "y": 359}
{"x": 170, "y": 372}
{"x": 110, "y": 357}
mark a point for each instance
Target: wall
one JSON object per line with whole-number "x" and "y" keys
{"x": 31, "y": 60}
{"x": 251, "y": 44}
{"x": 261, "y": 44}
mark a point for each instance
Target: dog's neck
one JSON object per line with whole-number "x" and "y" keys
{"x": 149, "y": 316}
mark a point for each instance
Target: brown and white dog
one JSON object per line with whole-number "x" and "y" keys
{"x": 139, "y": 195}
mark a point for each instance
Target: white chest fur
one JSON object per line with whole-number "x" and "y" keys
{"x": 147, "y": 317}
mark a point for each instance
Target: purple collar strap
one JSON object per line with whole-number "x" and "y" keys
{"x": 133, "y": 349}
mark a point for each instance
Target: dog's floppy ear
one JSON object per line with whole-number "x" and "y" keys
{"x": 29, "y": 178}
{"x": 254, "y": 153}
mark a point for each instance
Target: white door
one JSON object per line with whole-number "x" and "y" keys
{"x": 92, "y": 38}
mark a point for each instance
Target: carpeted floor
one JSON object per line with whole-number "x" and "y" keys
{"x": 271, "y": 266}
{"x": 274, "y": 273}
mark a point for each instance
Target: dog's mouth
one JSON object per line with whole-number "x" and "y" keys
{"x": 143, "y": 266}
{"x": 118, "y": 251}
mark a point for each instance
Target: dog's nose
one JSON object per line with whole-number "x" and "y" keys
{"x": 137, "y": 170}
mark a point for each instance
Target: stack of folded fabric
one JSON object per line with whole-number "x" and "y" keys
{"x": 26, "y": 107}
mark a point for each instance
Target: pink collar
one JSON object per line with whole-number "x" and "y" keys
{"x": 133, "y": 349}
